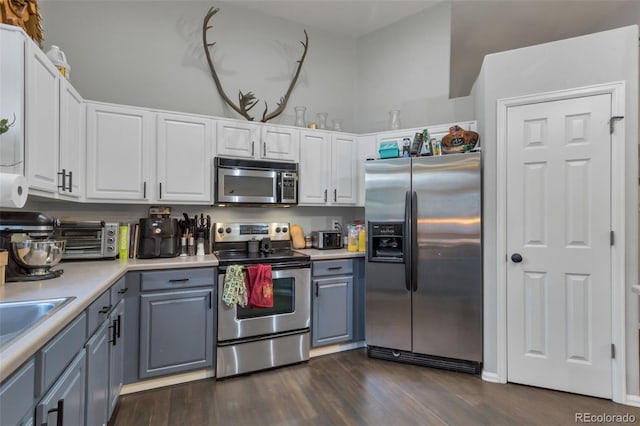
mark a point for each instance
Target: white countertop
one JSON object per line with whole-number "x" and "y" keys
{"x": 86, "y": 280}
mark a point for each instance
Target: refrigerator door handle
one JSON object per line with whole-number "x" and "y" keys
{"x": 406, "y": 239}
{"x": 414, "y": 240}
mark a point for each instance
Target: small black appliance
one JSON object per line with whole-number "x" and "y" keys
{"x": 158, "y": 238}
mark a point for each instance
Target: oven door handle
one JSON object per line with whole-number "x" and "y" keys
{"x": 278, "y": 266}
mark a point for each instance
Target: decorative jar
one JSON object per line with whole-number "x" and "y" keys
{"x": 301, "y": 121}
{"x": 394, "y": 119}
{"x": 322, "y": 120}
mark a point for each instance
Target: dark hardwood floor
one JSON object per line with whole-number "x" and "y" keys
{"x": 350, "y": 389}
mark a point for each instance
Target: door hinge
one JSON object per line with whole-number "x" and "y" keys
{"x": 612, "y": 237}
{"x": 612, "y": 121}
{"x": 613, "y": 351}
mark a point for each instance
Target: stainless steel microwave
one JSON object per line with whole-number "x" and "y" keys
{"x": 253, "y": 182}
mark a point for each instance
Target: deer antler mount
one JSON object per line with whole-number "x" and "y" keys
{"x": 246, "y": 101}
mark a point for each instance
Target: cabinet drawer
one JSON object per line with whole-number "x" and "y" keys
{"x": 58, "y": 353}
{"x": 16, "y": 394}
{"x": 117, "y": 291}
{"x": 176, "y": 278}
{"x": 332, "y": 267}
{"x": 97, "y": 312}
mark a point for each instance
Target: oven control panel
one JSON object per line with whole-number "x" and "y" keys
{"x": 235, "y": 232}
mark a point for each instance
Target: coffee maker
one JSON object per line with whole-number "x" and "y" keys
{"x": 158, "y": 237}
{"x": 39, "y": 254}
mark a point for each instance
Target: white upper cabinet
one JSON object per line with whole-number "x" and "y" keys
{"x": 314, "y": 168}
{"x": 344, "y": 169}
{"x": 328, "y": 169}
{"x": 255, "y": 141}
{"x": 120, "y": 152}
{"x": 366, "y": 149}
{"x": 42, "y": 120}
{"x": 185, "y": 147}
{"x": 279, "y": 143}
{"x": 71, "y": 166}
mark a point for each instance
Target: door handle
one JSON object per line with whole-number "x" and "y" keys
{"x": 160, "y": 197}
{"x": 70, "y": 181}
{"x": 325, "y": 195}
{"x": 407, "y": 245}
{"x": 59, "y": 410}
{"x": 253, "y": 146}
{"x": 144, "y": 189}
{"x": 316, "y": 289}
{"x": 516, "y": 258}
{"x": 335, "y": 195}
{"x": 414, "y": 240}
{"x": 119, "y": 321}
{"x": 264, "y": 149}
{"x": 64, "y": 180}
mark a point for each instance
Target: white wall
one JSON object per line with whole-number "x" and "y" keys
{"x": 405, "y": 66}
{"x": 150, "y": 54}
{"x": 604, "y": 57}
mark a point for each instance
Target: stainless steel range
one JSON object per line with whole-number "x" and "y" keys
{"x": 252, "y": 339}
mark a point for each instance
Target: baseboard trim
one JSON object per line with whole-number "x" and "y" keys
{"x": 633, "y": 400}
{"x": 488, "y": 376}
{"x": 167, "y": 381}
{"x": 332, "y": 349}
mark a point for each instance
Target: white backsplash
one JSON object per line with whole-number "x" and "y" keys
{"x": 309, "y": 218}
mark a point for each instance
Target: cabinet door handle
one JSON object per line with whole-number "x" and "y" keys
{"x": 144, "y": 190}
{"x": 123, "y": 290}
{"x": 252, "y": 148}
{"x": 105, "y": 309}
{"x": 112, "y": 331}
{"x": 316, "y": 289}
{"x": 264, "y": 149}
{"x": 118, "y": 322}
{"x": 209, "y": 297}
{"x": 160, "y": 197}
{"x": 179, "y": 280}
{"x": 64, "y": 179}
{"x": 59, "y": 410}
{"x": 335, "y": 195}
{"x": 325, "y": 195}
{"x": 70, "y": 181}
{"x": 335, "y": 268}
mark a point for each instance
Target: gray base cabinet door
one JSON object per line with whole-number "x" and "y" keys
{"x": 332, "y": 310}
{"x": 116, "y": 356}
{"x": 176, "y": 332}
{"x": 98, "y": 375}
{"x": 65, "y": 402}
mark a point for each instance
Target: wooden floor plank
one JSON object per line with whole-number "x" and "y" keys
{"x": 350, "y": 389}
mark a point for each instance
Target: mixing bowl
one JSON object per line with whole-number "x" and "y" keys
{"x": 38, "y": 256}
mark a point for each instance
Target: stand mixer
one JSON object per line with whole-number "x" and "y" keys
{"x": 25, "y": 235}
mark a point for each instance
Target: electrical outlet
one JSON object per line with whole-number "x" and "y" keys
{"x": 335, "y": 225}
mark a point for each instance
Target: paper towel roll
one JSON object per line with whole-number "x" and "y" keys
{"x": 13, "y": 190}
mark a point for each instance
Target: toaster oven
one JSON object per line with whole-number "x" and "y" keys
{"x": 325, "y": 240}
{"x": 88, "y": 239}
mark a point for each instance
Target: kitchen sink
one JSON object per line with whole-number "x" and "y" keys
{"x": 18, "y": 317}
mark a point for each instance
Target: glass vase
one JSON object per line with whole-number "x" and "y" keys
{"x": 322, "y": 120}
{"x": 337, "y": 124}
{"x": 394, "y": 119}
{"x": 301, "y": 121}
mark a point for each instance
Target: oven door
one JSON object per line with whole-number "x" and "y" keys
{"x": 239, "y": 185}
{"x": 291, "y": 306}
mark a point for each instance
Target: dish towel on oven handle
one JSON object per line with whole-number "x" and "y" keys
{"x": 259, "y": 286}
{"x": 234, "y": 291}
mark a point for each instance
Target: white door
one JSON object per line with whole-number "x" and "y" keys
{"x": 315, "y": 169}
{"x": 120, "y": 150}
{"x": 42, "y": 121}
{"x": 184, "y": 145}
{"x": 72, "y": 141}
{"x": 558, "y": 221}
{"x": 236, "y": 139}
{"x": 279, "y": 143}
{"x": 344, "y": 173}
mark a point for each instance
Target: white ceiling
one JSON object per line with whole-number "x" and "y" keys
{"x": 352, "y": 18}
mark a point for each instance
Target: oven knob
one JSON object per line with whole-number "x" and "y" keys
{"x": 110, "y": 232}
{"x": 278, "y": 230}
{"x": 285, "y": 229}
{"x": 228, "y": 230}
{"x": 110, "y": 240}
{"x": 110, "y": 248}
{"x": 220, "y": 231}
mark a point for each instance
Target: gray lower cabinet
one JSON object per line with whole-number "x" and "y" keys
{"x": 176, "y": 331}
{"x": 116, "y": 355}
{"x": 64, "y": 403}
{"x": 332, "y": 306}
{"x": 17, "y": 395}
{"x": 98, "y": 375}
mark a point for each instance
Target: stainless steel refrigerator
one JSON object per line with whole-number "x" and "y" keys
{"x": 424, "y": 260}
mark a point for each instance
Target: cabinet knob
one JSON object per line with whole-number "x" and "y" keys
{"x": 516, "y": 258}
